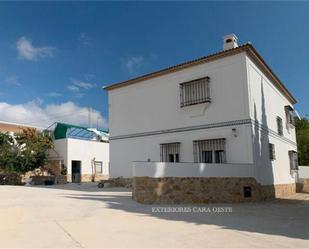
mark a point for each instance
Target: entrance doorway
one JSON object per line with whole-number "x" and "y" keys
{"x": 76, "y": 171}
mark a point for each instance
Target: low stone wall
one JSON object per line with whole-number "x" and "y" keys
{"x": 40, "y": 180}
{"x": 303, "y": 185}
{"x": 120, "y": 182}
{"x": 10, "y": 179}
{"x": 182, "y": 190}
{"x": 61, "y": 179}
{"x": 277, "y": 191}
{"x": 88, "y": 178}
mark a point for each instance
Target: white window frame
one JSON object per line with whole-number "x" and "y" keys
{"x": 95, "y": 167}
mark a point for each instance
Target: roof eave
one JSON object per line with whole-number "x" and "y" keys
{"x": 248, "y": 48}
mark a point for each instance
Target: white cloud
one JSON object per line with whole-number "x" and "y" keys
{"x": 33, "y": 113}
{"x": 12, "y": 81}
{"x": 73, "y": 88}
{"x": 83, "y": 85}
{"x": 54, "y": 94}
{"x": 84, "y": 39}
{"x": 133, "y": 63}
{"x": 90, "y": 76}
{"x": 78, "y": 86}
{"x": 27, "y": 51}
{"x": 79, "y": 95}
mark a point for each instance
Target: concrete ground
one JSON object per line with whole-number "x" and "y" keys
{"x": 83, "y": 216}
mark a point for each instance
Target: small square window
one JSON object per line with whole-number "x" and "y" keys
{"x": 98, "y": 167}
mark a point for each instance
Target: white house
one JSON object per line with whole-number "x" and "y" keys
{"x": 83, "y": 153}
{"x": 224, "y": 121}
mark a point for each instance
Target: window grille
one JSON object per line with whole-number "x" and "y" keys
{"x": 289, "y": 112}
{"x": 194, "y": 92}
{"x": 209, "y": 151}
{"x": 279, "y": 126}
{"x": 169, "y": 152}
{"x": 272, "y": 153}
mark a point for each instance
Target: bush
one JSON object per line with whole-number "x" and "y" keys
{"x": 24, "y": 152}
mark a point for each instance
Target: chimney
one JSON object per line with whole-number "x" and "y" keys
{"x": 229, "y": 42}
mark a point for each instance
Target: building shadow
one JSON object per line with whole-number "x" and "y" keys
{"x": 82, "y": 187}
{"x": 261, "y": 150}
{"x": 284, "y": 217}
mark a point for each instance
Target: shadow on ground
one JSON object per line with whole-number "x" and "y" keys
{"x": 285, "y": 217}
{"x": 82, "y": 187}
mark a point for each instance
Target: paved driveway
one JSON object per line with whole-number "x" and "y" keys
{"x": 84, "y": 216}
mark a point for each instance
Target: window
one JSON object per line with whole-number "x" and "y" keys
{"x": 293, "y": 160}
{"x": 209, "y": 151}
{"x": 279, "y": 126}
{"x": 219, "y": 156}
{"x": 98, "y": 167}
{"x": 207, "y": 156}
{"x": 289, "y": 112}
{"x": 169, "y": 152}
{"x": 194, "y": 92}
{"x": 272, "y": 153}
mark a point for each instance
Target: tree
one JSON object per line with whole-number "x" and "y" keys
{"x": 24, "y": 152}
{"x": 302, "y": 136}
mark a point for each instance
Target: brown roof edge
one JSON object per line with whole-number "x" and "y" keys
{"x": 257, "y": 58}
{"x": 251, "y": 51}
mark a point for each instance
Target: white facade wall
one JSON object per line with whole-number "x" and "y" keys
{"x": 126, "y": 151}
{"x": 142, "y": 114}
{"x": 154, "y": 105}
{"x": 303, "y": 172}
{"x": 266, "y": 103}
{"x": 162, "y": 169}
{"x": 83, "y": 150}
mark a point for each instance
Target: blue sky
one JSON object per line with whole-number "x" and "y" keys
{"x": 56, "y": 56}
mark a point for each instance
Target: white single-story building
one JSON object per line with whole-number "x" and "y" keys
{"x": 81, "y": 153}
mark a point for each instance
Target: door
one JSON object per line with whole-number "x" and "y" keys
{"x": 76, "y": 171}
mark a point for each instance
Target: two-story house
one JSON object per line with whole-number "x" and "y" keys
{"x": 215, "y": 129}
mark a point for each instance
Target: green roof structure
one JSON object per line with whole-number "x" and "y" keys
{"x": 63, "y": 130}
